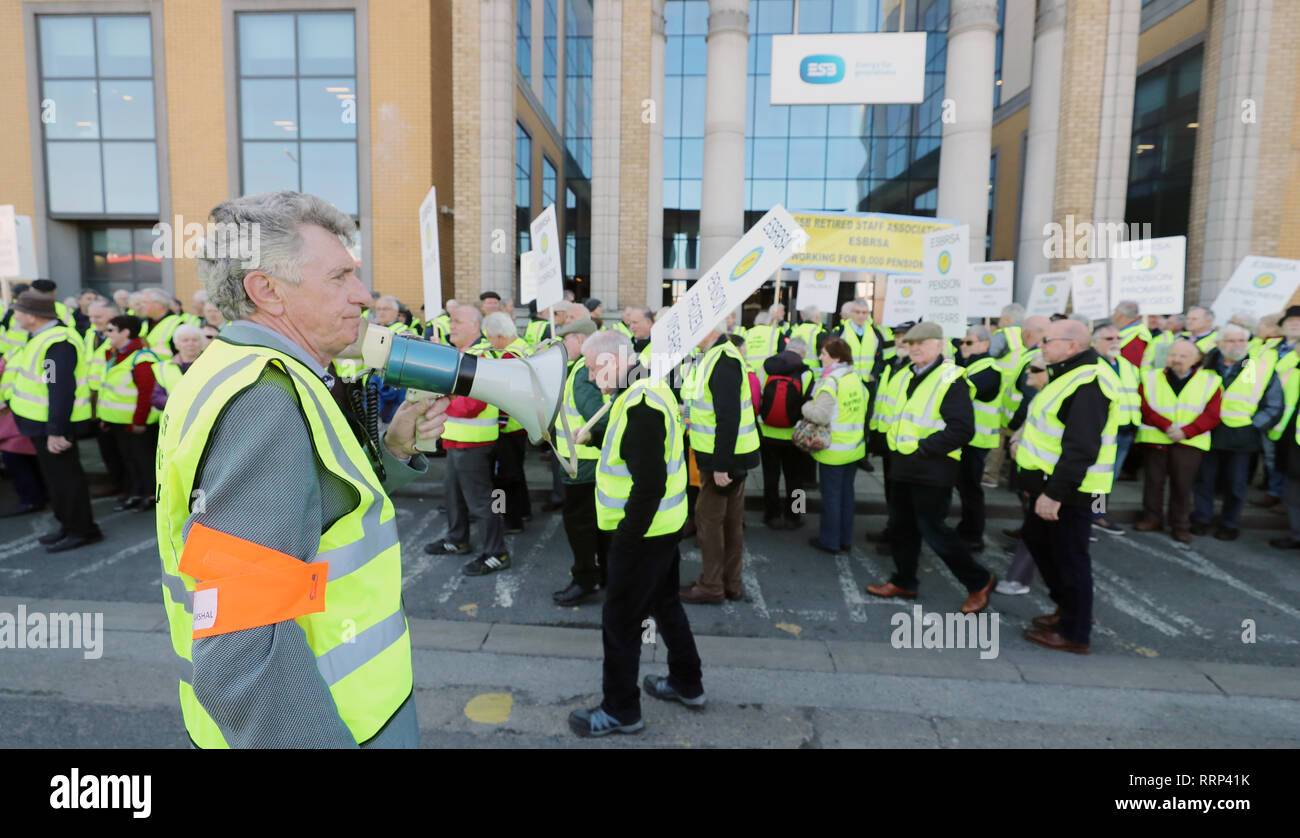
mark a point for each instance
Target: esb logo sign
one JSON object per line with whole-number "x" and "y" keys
{"x": 821, "y": 69}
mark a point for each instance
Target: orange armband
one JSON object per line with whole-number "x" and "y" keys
{"x": 243, "y": 585}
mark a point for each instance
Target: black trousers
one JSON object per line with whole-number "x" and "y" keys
{"x": 112, "y": 458}
{"x": 25, "y": 470}
{"x": 919, "y": 513}
{"x": 780, "y": 456}
{"x": 138, "y": 453}
{"x": 69, "y": 494}
{"x": 969, "y": 475}
{"x": 1060, "y": 551}
{"x": 508, "y": 454}
{"x": 644, "y": 583}
{"x": 589, "y": 543}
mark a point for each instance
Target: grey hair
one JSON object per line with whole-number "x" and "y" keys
{"x": 156, "y": 294}
{"x": 772, "y": 308}
{"x": 478, "y": 315}
{"x": 186, "y": 329}
{"x": 391, "y": 299}
{"x": 1014, "y": 312}
{"x": 1128, "y": 308}
{"x": 276, "y": 217}
{"x": 607, "y": 341}
{"x": 1246, "y": 321}
{"x": 798, "y": 346}
{"x": 1081, "y": 318}
{"x": 980, "y": 331}
{"x": 1182, "y": 321}
{"x": 1235, "y": 328}
{"x": 844, "y": 309}
{"x": 498, "y": 324}
{"x": 762, "y": 319}
{"x": 812, "y": 314}
{"x": 1209, "y": 312}
{"x": 108, "y": 304}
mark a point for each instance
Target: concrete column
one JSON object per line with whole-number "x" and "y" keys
{"x": 1119, "y": 78}
{"x": 967, "y": 139}
{"x": 607, "y": 104}
{"x": 655, "y": 187}
{"x": 497, "y": 146}
{"x": 1040, "y": 142}
{"x": 722, "y": 198}
{"x": 1233, "y": 112}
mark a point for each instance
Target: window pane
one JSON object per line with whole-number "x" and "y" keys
{"x": 690, "y": 199}
{"x": 671, "y": 192}
{"x": 270, "y": 166}
{"x": 266, "y": 45}
{"x": 814, "y": 17}
{"x": 330, "y": 171}
{"x": 119, "y": 254}
{"x": 694, "y": 55}
{"x": 842, "y": 195}
{"x": 148, "y": 268}
{"x": 326, "y": 45}
{"x": 124, "y": 47}
{"x": 846, "y": 120}
{"x": 673, "y": 18}
{"x": 325, "y": 104}
{"x": 127, "y": 107}
{"x": 672, "y": 158}
{"x": 673, "y": 56}
{"x": 67, "y": 46}
{"x": 75, "y": 112}
{"x": 845, "y": 158}
{"x": 130, "y": 178}
{"x": 769, "y": 158}
{"x": 808, "y": 121}
{"x": 693, "y": 106}
{"x": 75, "y": 181}
{"x": 268, "y": 109}
{"x": 774, "y": 16}
{"x": 768, "y": 193}
{"x": 808, "y": 159}
{"x": 769, "y": 120}
{"x": 692, "y": 158}
{"x": 805, "y": 194}
{"x": 695, "y": 17}
{"x": 672, "y": 115}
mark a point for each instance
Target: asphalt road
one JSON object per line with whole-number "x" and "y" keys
{"x": 1156, "y": 604}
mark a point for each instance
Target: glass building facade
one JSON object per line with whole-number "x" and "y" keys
{"x": 1165, "y": 124}
{"x": 854, "y": 158}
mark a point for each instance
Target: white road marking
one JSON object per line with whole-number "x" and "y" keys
{"x": 1197, "y": 563}
{"x": 411, "y": 546}
{"x": 15, "y": 572}
{"x": 140, "y": 547}
{"x": 1114, "y": 581}
{"x": 854, "y": 599}
{"x": 27, "y": 542}
{"x": 509, "y": 581}
{"x": 752, "y": 588}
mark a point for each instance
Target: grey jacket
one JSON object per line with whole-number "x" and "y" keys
{"x": 263, "y": 483}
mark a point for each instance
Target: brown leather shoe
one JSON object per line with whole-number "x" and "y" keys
{"x": 889, "y": 589}
{"x": 695, "y": 595}
{"x": 979, "y": 600}
{"x": 1052, "y": 640}
{"x": 1047, "y": 622}
{"x": 1183, "y": 536}
{"x": 734, "y": 595}
{"x": 1146, "y": 526}
{"x": 1267, "y": 502}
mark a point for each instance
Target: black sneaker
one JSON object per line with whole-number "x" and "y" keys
{"x": 596, "y": 722}
{"x": 662, "y": 690}
{"x": 1106, "y": 526}
{"x": 486, "y": 564}
{"x": 447, "y": 548}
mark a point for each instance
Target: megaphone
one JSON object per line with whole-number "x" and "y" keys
{"x": 529, "y": 389}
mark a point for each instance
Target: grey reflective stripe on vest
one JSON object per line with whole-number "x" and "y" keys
{"x": 665, "y": 504}
{"x": 345, "y": 658}
{"x": 622, "y": 471}
{"x": 482, "y": 423}
{"x": 740, "y": 431}
{"x": 611, "y": 432}
{"x": 377, "y": 537}
{"x": 210, "y": 386}
{"x": 180, "y": 594}
{"x": 184, "y": 669}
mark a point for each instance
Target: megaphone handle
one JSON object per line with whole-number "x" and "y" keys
{"x": 596, "y": 417}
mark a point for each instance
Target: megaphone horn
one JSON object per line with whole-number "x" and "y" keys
{"x": 529, "y": 389}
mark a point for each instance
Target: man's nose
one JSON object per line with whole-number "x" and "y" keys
{"x": 358, "y": 294}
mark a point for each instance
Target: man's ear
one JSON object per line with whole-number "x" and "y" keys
{"x": 264, "y": 291}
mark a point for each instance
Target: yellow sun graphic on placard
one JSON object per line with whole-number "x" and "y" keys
{"x": 819, "y": 275}
{"x": 1088, "y": 281}
{"x": 988, "y": 279}
{"x": 906, "y": 292}
{"x": 1050, "y": 290}
{"x": 545, "y": 244}
{"x": 1264, "y": 280}
{"x": 945, "y": 262}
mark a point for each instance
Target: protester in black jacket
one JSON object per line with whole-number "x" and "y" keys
{"x": 923, "y": 479}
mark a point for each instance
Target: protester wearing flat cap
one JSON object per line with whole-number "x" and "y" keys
{"x": 46, "y": 385}
{"x": 932, "y": 420}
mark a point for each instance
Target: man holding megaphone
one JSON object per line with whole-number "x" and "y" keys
{"x": 282, "y": 576}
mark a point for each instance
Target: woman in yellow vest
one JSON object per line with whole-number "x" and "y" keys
{"x": 839, "y": 400}
{"x": 190, "y": 342}
{"x": 1180, "y": 405}
{"x": 125, "y": 408}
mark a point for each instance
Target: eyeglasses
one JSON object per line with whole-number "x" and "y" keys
{"x": 1046, "y": 341}
{"x": 969, "y": 342}
{"x": 1038, "y": 369}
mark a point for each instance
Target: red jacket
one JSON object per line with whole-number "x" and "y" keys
{"x": 142, "y": 374}
{"x": 1208, "y": 419}
{"x": 1134, "y": 350}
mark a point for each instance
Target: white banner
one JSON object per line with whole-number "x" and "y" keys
{"x": 1260, "y": 285}
{"x": 945, "y": 266}
{"x": 990, "y": 288}
{"x": 819, "y": 290}
{"x": 1049, "y": 295}
{"x": 546, "y": 255}
{"x": 429, "y": 254}
{"x": 860, "y": 69}
{"x": 723, "y": 287}
{"x": 904, "y": 299}
{"x": 527, "y": 277}
{"x": 1088, "y": 288}
{"x": 1151, "y": 274}
{"x": 9, "y": 265}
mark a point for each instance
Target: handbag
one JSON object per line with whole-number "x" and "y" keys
{"x": 811, "y": 436}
